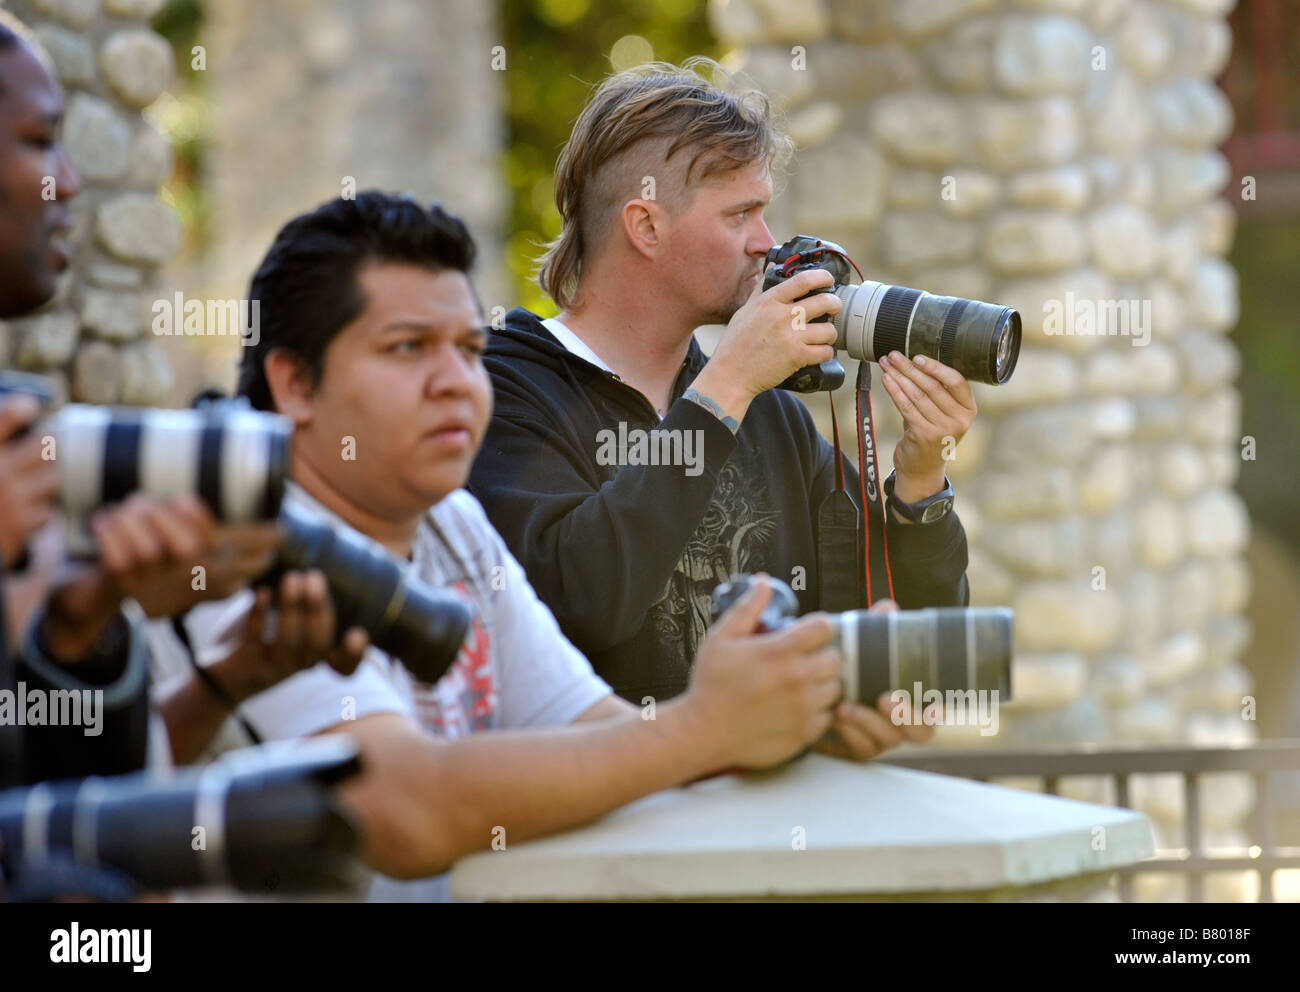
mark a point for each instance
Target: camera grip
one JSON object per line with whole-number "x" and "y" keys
{"x": 815, "y": 378}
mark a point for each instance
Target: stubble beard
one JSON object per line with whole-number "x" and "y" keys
{"x": 724, "y": 313}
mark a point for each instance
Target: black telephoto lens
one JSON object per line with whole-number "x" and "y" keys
{"x": 262, "y": 819}
{"x": 405, "y": 617}
{"x": 979, "y": 340}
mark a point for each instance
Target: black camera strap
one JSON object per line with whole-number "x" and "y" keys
{"x": 209, "y": 680}
{"x": 839, "y": 530}
{"x": 844, "y": 583}
{"x": 879, "y": 578}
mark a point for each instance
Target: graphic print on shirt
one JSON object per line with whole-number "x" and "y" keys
{"x": 734, "y": 536}
{"x": 465, "y": 700}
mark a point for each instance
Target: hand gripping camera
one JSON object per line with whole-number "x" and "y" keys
{"x": 942, "y": 648}
{"x": 979, "y": 340}
{"x": 236, "y": 459}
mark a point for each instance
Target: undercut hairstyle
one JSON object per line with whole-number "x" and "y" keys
{"x": 306, "y": 288}
{"x": 659, "y": 121}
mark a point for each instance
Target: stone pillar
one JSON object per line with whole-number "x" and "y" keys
{"x": 90, "y": 338}
{"x": 399, "y": 96}
{"x": 1059, "y": 156}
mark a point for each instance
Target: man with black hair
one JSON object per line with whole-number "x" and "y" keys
{"x": 36, "y": 178}
{"x": 371, "y": 341}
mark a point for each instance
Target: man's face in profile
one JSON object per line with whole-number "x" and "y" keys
{"x": 36, "y": 179}
{"x": 719, "y": 240}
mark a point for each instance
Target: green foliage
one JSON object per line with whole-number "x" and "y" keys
{"x": 179, "y": 21}
{"x": 1263, "y": 254}
{"x": 557, "y": 51}
{"x": 182, "y": 114}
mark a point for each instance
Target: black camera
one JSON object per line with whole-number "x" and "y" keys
{"x": 405, "y": 616}
{"x": 261, "y": 819}
{"x": 948, "y": 648}
{"x": 979, "y": 340}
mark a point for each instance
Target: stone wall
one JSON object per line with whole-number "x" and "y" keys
{"x": 1043, "y": 154}
{"x": 90, "y": 339}
{"x": 399, "y": 96}
{"x": 302, "y": 96}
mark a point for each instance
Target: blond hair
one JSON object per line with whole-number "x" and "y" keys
{"x": 642, "y": 118}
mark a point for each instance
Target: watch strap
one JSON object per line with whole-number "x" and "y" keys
{"x": 927, "y": 511}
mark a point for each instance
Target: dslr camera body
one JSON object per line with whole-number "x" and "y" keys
{"x": 979, "y": 340}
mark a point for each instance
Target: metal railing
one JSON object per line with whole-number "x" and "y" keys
{"x": 1051, "y": 766}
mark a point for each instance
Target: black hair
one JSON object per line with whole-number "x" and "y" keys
{"x": 306, "y": 287}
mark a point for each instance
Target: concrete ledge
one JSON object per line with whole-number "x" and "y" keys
{"x": 865, "y": 829}
{"x": 1102, "y": 886}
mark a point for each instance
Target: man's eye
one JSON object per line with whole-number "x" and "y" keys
{"x": 44, "y": 143}
{"x": 474, "y": 349}
{"x": 407, "y": 347}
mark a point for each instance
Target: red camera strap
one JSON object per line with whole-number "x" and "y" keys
{"x": 840, "y": 520}
{"x": 844, "y": 545}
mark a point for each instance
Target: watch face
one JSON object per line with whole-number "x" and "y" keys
{"x": 935, "y": 511}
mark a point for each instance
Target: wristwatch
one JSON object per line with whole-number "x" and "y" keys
{"x": 926, "y": 511}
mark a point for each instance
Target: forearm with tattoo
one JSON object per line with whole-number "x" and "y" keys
{"x": 695, "y": 396}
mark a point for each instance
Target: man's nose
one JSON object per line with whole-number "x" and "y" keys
{"x": 763, "y": 242}
{"x": 67, "y": 181}
{"x": 453, "y": 375}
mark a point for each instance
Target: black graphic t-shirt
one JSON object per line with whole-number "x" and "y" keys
{"x": 626, "y": 554}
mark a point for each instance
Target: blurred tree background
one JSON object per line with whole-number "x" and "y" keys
{"x": 182, "y": 115}
{"x": 1267, "y": 334}
{"x": 565, "y": 48}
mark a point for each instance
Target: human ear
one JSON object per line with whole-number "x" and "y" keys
{"x": 643, "y": 223}
{"x": 290, "y": 385}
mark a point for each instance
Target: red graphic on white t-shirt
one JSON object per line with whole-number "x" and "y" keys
{"x": 464, "y": 701}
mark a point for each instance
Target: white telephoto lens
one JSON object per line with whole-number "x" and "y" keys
{"x": 252, "y": 442}
{"x": 79, "y": 431}
{"x": 169, "y": 452}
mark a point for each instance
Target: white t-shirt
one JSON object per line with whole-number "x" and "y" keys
{"x": 576, "y": 346}
{"x": 515, "y": 669}
{"x": 573, "y": 343}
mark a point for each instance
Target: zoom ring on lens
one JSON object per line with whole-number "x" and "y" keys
{"x": 895, "y": 316}
{"x": 948, "y": 336}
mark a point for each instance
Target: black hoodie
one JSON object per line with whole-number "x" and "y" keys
{"x": 628, "y": 556}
